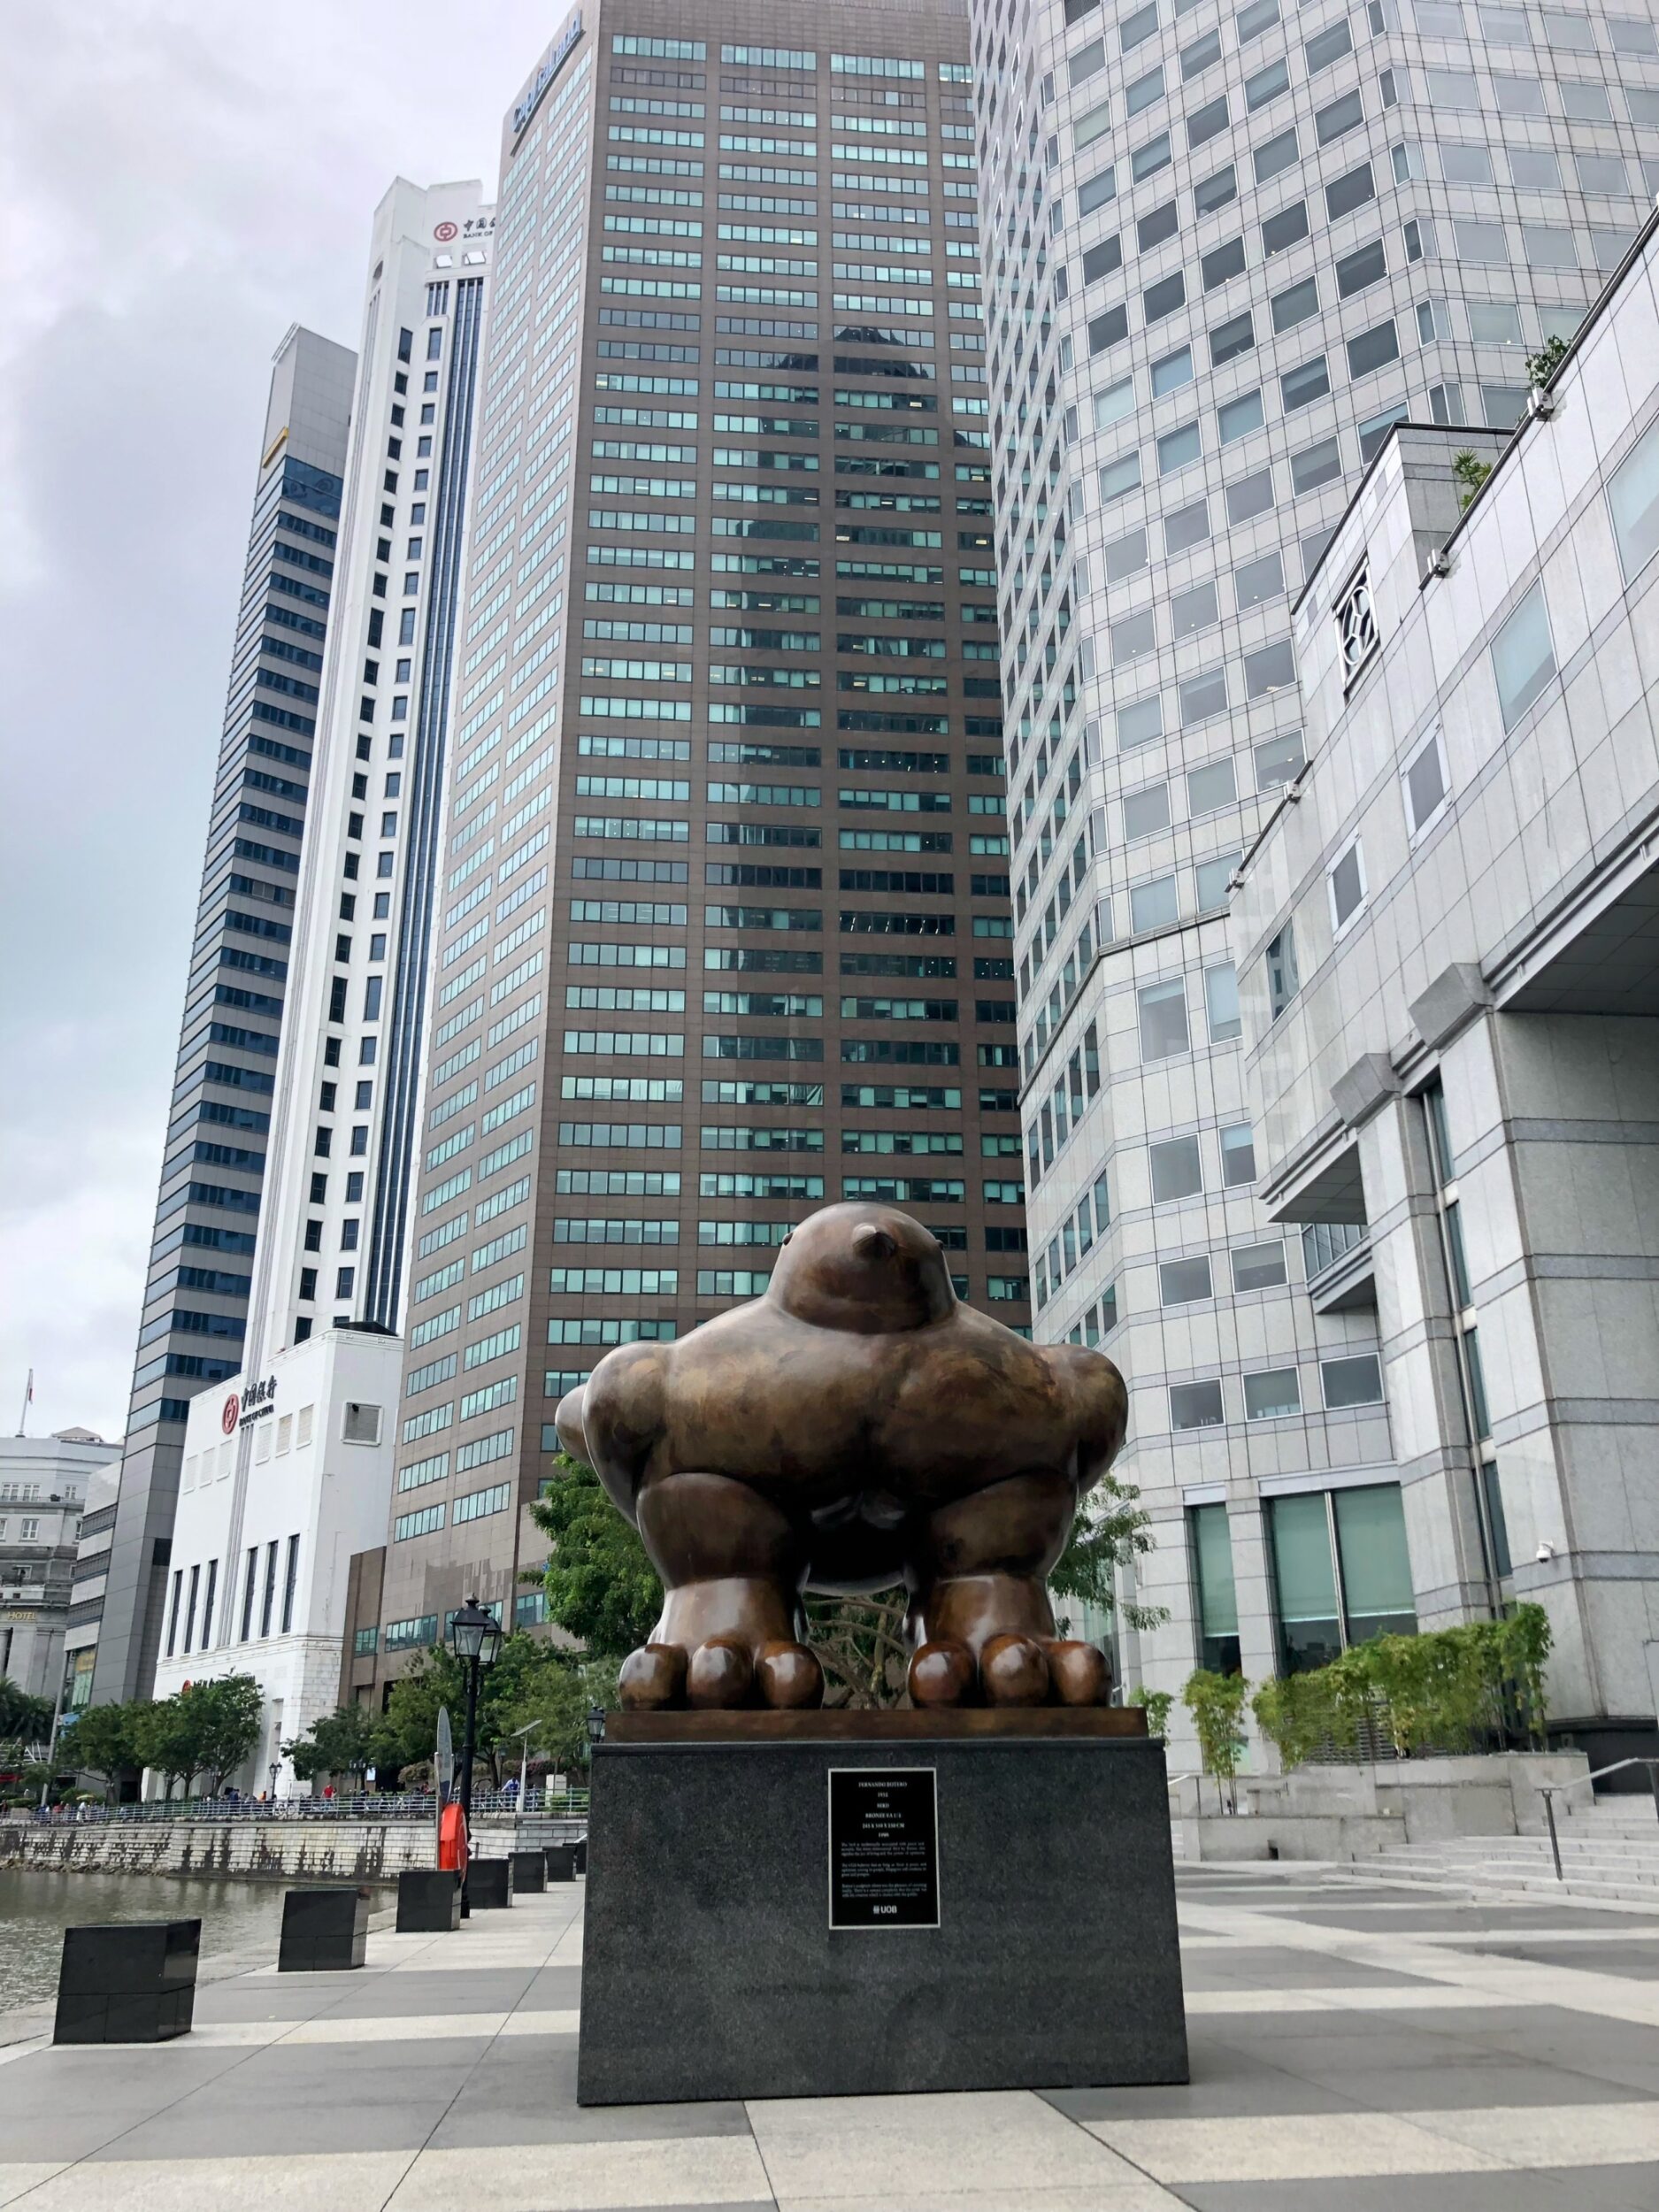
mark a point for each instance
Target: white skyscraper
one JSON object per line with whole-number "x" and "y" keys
{"x": 1224, "y": 250}
{"x": 286, "y": 1469}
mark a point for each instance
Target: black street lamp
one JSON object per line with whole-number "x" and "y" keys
{"x": 475, "y": 1640}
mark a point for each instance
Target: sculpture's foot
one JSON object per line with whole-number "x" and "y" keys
{"x": 1011, "y": 1668}
{"x": 722, "y": 1643}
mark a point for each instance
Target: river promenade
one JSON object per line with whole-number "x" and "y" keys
{"x": 1356, "y": 2047}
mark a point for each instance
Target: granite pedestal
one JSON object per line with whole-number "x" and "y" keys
{"x": 428, "y": 1901}
{"x": 134, "y": 1983}
{"x": 489, "y": 1885}
{"x": 580, "y": 1861}
{"x": 529, "y": 1871}
{"x": 711, "y": 1969}
{"x": 324, "y": 1930}
{"x": 561, "y": 1861}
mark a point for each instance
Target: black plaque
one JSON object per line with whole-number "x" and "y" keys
{"x": 884, "y": 1847}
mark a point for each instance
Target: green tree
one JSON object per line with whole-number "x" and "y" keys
{"x": 1470, "y": 472}
{"x": 601, "y": 1587}
{"x": 1157, "y": 1705}
{"x": 1542, "y": 365}
{"x": 23, "y": 1717}
{"x": 165, "y": 1738}
{"x": 532, "y": 1679}
{"x": 225, "y": 1715}
{"x": 1216, "y": 1702}
{"x": 340, "y": 1743}
{"x": 1112, "y": 1529}
{"x": 104, "y": 1740}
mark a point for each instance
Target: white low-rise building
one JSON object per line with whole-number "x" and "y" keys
{"x": 285, "y": 1475}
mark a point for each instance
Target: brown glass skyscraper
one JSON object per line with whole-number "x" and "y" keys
{"x": 724, "y": 929}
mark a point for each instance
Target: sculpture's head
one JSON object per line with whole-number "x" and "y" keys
{"x": 870, "y": 1270}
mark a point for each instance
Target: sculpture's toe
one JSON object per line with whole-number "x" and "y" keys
{"x": 1079, "y": 1673}
{"x": 721, "y": 1673}
{"x": 1014, "y": 1670}
{"x": 941, "y": 1673}
{"x": 652, "y": 1677}
{"x": 789, "y": 1676}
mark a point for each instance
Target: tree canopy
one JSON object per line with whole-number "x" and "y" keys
{"x": 601, "y": 1587}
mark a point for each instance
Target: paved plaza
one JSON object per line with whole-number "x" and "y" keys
{"x": 1356, "y": 2047}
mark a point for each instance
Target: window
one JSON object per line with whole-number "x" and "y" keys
{"x": 1357, "y": 271}
{"x": 1196, "y": 1405}
{"x": 1145, "y": 813}
{"x": 1299, "y": 387}
{"x": 1144, "y": 92}
{"x": 1295, "y": 303}
{"x": 1164, "y": 297}
{"x": 1202, "y": 54}
{"x": 1201, "y": 697}
{"x": 1229, "y": 340}
{"x": 1186, "y": 527}
{"x": 1125, "y": 556}
{"x": 1502, "y": 404}
{"x": 1115, "y": 403}
{"x": 1082, "y": 65}
{"x": 1356, "y": 625}
{"x": 1278, "y": 760}
{"x": 1098, "y": 191}
{"x": 1406, "y": 159}
{"x": 1466, "y": 165}
{"x": 1178, "y": 448}
{"x": 1544, "y": 246}
{"x": 1177, "y": 1169}
{"x": 1134, "y": 638}
{"x": 1479, "y": 242}
{"x": 1270, "y": 669}
{"x": 1146, "y": 160}
{"x": 1222, "y": 264}
{"x": 1212, "y": 881}
{"x": 1316, "y": 465}
{"x": 1495, "y": 323}
{"x": 1221, "y": 1002}
{"x": 1184, "y": 1282}
{"x": 1089, "y": 127}
{"x": 1119, "y": 477}
{"x": 1272, "y": 1394}
{"x": 1215, "y": 192}
{"x": 1237, "y": 1156}
{"x": 1523, "y": 657}
{"x": 1170, "y": 373}
{"x": 1453, "y": 88}
{"x": 1534, "y": 169}
{"x": 1154, "y": 905}
{"x": 1425, "y": 784}
{"x": 1347, "y": 880}
{"x": 1163, "y": 1016}
{"x": 1633, "y": 495}
{"x": 1193, "y": 612}
{"x": 1207, "y": 122}
{"x": 1140, "y": 722}
{"x": 1283, "y": 981}
{"x": 1354, "y": 1381}
{"x": 1276, "y": 155}
{"x": 1211, "y": 787}
{"x": 1215, "y": 1606}
{"x": 1266, "y": 85}
{"x": 1346, "y": 115}
{"x": 1108, "y": 330}
{"x": 1254, "y": 582}
{"x": 1286, "y": 229}
{"x": 1101, "y": 260}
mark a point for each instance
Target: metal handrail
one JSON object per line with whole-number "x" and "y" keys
{"x": 1550, "y": 1791}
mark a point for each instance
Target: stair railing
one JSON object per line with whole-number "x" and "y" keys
{"x": 1550, "y": 1791}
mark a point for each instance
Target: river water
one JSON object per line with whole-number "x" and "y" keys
{"x": 36, "y": 1905}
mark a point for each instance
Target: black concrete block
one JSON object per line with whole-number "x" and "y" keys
{"x": 324, "y": 1930}
{"x": 529, "y": 1871}
{"x": 712, "y": 1970}
{"x": 134, "y": 1983}
{"x": 581, "y": 1850}
{"x": 561, "y": 1861}
{"x": 489, "y": 1885}
{"x": 428, "y": 1901}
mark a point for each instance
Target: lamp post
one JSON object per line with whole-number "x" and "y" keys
{"x": 475, "y": 1640}
{"x": 523, "y": 1735}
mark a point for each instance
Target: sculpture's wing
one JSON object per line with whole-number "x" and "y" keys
{"x": 1099, "y": 1404}
{"x": 615, "y": 1418}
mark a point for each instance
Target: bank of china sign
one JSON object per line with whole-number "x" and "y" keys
{"x": 257, "y": 1400}
{"x": 552, "y": 62}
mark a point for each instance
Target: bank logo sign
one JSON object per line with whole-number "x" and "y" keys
{"x": 552, "y": 62}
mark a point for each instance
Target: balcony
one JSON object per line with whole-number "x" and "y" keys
{"x": 1336, "y": 1259}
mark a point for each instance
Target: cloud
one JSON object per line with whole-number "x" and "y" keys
{"x": 179, "y": 184}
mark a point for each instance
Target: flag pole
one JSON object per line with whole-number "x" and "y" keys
{"x": 28, "y": 1400}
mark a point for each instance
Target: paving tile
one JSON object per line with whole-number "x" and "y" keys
{"x": 1581, "y": 2134}
{"x": 17, "y": 2180}
{"x": 1287, "y": 2146}
{"x": 1113, "y": 2196}
{"x": 526, "y": 2093}
{"x": 591, "y": 2177}
{"x": 903, "y": 2148}
{"x": 297, "y": 2182}
{"x": 1613, "y": 2189}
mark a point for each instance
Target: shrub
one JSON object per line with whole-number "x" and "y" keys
{"x": 1156, "y": 1705}
{"x": 1216, "y": 1702}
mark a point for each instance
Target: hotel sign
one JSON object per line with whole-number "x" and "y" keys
{"x": 552, "y": 62}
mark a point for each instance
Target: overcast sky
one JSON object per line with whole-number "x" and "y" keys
{"x": 178, "y": 184}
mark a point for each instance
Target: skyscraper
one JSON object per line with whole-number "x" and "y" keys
{"x": 1226, "y": 250}
{"x": 286, "y": 1471}
{"x": 723, "y": 926}
{"x": 197, "y": 1297}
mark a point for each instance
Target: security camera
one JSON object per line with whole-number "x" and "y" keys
{"x": 1544, "y": 1554}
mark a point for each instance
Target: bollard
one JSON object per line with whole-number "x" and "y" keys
{"x": 489, "y": 1885}
{"x": 561, "y": 1861}
{"x": 529, "y": 1871}
{"x": 582, "y": 1856}
{"x": 324, "y": 1930}
{"x": 134, "y": 1983}
{"x": 428, "y": 1901}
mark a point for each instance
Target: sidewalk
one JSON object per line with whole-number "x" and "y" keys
{"x": 1356, "y": 2048}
